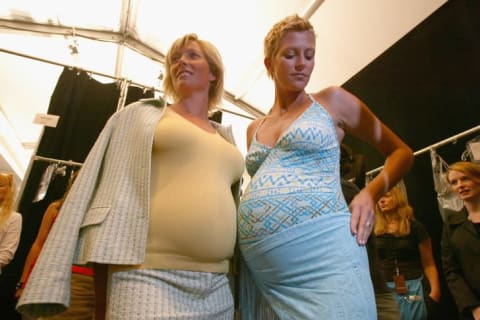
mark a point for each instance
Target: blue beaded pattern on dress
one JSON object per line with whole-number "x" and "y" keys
{"x": 296, "y": 180}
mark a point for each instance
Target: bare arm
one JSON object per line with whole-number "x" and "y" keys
{"x": 429, "y": 268}
{"x": 356, "y": 119}
{"x": 360, "y": 122}
{"x": 47, "y": 222}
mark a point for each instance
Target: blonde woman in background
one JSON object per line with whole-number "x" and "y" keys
{"x": 405, "y": 252}
{"x": 10, "y": 221}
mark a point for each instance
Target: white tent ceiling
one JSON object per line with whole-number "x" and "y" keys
{"x": 128, "y": 39}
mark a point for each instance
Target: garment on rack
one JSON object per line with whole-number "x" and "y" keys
{"x": 448, "y": 201}
{"x": 84, "y": 106}
{"x": 472, "y": 151}
{"x": 44, "y": 182}
{"x": 52, "y": 170}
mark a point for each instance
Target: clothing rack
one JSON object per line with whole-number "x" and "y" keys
{"x": 124, "y": 82}
{"x": 434, "y": 146}
{"x": 65, "y": 162}
{"x": 228, "y": 96}
{"x": 40, "y": 158}
{"x": 74, "y": 67}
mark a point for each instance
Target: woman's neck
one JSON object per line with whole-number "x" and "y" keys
{"x": 287, "y": 101}
{"x": 391, "y": 216}
{"x": 473, "y": 209}
{"x": 192, "y": 107}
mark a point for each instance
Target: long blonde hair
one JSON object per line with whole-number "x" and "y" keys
{"x": 6, "y": 206}
{"x": 403, "y": 212}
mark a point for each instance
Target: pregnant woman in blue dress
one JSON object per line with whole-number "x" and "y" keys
{"x": 302, "y": 247}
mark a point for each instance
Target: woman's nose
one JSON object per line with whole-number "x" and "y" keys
{"x": 300, "y": 63}
{"x": 180, "y": 60}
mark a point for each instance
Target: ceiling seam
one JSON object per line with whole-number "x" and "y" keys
{"x": 115, "y": 37}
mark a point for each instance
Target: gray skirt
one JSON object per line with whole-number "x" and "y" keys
{"x": 169, "y": 294}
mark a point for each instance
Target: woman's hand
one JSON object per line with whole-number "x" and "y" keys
{"x": 18, "y": 293}
{"x": 435, "y": 296}
{"x": 363, "y": 216}
{"x": 476, "y": 313}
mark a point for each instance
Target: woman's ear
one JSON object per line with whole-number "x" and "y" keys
{"x": 268, "y": 65}
{"x": 212, "y": 77}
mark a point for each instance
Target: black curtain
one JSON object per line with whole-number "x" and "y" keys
{"x": 84, "y": 106}
{"x": 426, "y": 88}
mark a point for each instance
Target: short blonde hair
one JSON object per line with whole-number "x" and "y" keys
{"x": 6, "y": 206}
{"x": 403, "y": 211}
{"x": 471, "y": 169}
{"x": 279, "y": 29}
{"x": 215, "y": 65}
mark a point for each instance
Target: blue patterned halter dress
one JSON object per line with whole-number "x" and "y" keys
{"x": 299, "y": 258}
{"x": 296, "y": 180}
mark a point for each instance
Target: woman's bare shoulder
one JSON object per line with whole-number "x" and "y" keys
{"x": 332, "y": 94}
{"x": 254, "y": 125}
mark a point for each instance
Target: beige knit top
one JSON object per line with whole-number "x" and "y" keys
{"x": 192, "y": 209}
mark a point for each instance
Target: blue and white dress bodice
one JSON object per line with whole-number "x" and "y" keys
{"x": 296, "y": 180}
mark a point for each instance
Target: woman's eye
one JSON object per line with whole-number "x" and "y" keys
{"x": 193, "y": 54}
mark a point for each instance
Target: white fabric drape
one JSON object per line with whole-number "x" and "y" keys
{"x": 447, "y": 200}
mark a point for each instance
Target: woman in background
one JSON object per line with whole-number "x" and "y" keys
{"x": 405, "y": 252}
{"x": 10, "y": 221}
{"x": 461, "y": 240}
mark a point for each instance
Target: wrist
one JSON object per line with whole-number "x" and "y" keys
{"x": 20, "y": 285}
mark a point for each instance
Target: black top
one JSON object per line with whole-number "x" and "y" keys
{"x": 402, "y": 251}
{"x": 461, "y": 261}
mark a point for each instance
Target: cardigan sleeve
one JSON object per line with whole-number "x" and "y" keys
{"x": 48, "y": 289}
